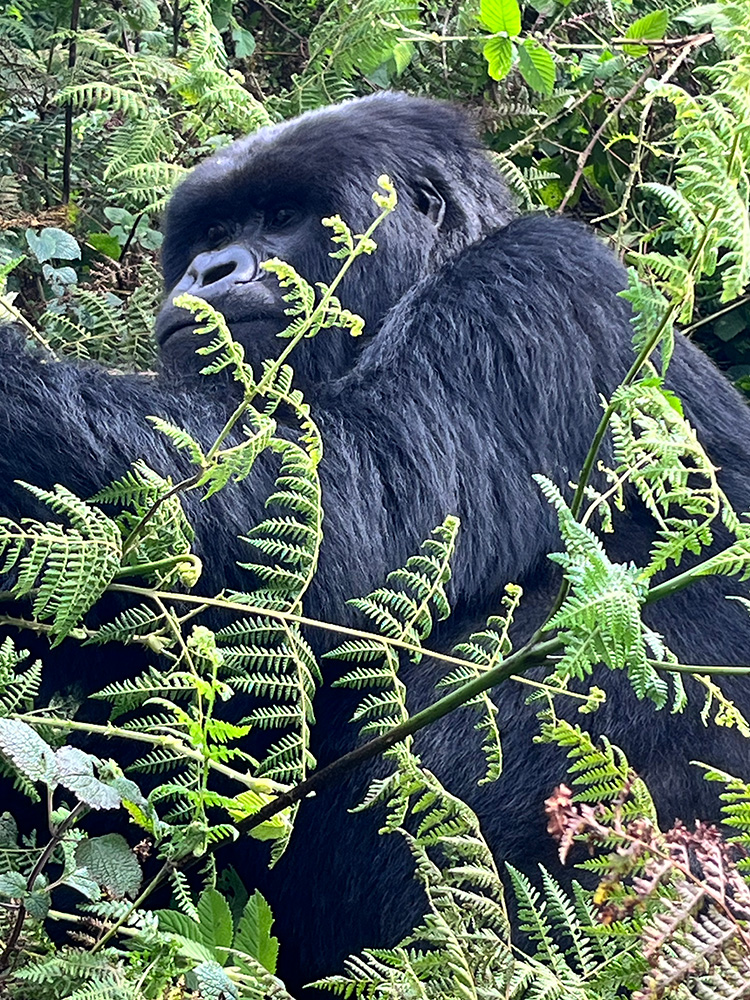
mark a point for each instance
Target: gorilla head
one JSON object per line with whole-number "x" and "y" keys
{"x": 265, "y": 196}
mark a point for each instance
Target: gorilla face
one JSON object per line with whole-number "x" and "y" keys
{"x": 223, "y": 254}
{"x": 265, "y": 197}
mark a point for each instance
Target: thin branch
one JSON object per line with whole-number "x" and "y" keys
{"x": 583, "y": 157}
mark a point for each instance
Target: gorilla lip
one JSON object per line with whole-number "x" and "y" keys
{"x": 166, "y": 331}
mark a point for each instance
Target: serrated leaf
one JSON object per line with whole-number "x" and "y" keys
{"x": 37, "y": 904}
{"x": 537, "y": 66}
{"x": 187, "y": 935}
{"x": 22, "y": 745}
{"x": 653, "y": 25}
{"x": 501, "y": 15}
{"x": 213, "y": 983}
{"x": 215, "y": 919}
{"x": 12, "y": 885}
{"x": 254, "y": 932}
{"x": 111, "y": 863}
{"x": 76, "y": 772}
{"x": 499, "y": 55}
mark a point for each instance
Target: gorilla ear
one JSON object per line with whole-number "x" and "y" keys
{"x": 429, "y": 201}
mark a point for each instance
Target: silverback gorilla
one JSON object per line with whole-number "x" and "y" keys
{"x": 489, "y": 340}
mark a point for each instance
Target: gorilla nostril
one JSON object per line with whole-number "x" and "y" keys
{"x": 213, "y": 274}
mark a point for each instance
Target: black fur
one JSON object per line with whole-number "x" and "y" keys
{"x": 489, "y": 342}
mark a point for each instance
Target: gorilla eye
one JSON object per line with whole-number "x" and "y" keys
{"x": 216, "y": 235}
{"x": 279, "y": 218}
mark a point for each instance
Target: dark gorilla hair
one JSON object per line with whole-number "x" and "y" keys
{"x": 489, "y": 342}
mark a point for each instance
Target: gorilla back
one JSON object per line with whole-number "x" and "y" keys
{"x": 489, "y": 341}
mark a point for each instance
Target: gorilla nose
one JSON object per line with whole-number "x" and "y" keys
{"x": 215, "y": 272}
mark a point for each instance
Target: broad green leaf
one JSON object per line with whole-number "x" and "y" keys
{"x": 76, "y": 772}
{"x": 111, "y": 863}
{"x": 52, "y": 242}
{"x": 499, "y": 55}
{"x": 501, "y": 15}
{"x": 105, "y": 244}
{"x": 120, "y": 215}
{"x": 653, "y": 25}
{"x": 34, "y": 758}
{"x": 59, "y": 277}
{"x": 80, "y": 881}
{"x": 244, "y": 43}
{"x": 254, "y": 932}
{"x": 12, "y": 885}
{"x": 215, "y": 920}
{"x": 187, "y": 934}
{"x": 403, "y": 53}
{"x": 38, "y": 902}
{"x": 537, "y": 66}
{"x": 207, "y": 939}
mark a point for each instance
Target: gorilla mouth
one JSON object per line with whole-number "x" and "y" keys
{"x": 169, "y": 328}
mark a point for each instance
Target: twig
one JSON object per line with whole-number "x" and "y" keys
{"x": 586, "y": 153}
{"x": 36, "y": 871}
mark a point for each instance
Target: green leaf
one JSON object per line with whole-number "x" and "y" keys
{"x": 499, "y": 55}
{"x": 111, "y": 863}
{"x": 120, "y": 216}
{"x": 653, "y": 25}
{"x": 215, "y": 920}
{"x": 254, "y": 932}
{"x": 34, "y": 758}
{"x": 76, "y": 772}
{"x": 12, "y": 885}
{"x": 187, "y": 934}
{"x": 244, "y": 43}
{"x": 52, "y": 242}
{"x": 59, "y": 277}
{"x": 537, "y": 66}
{"x": 80, "y": 881}
{"x": 37, "y": 903}
{"x": 501, "y": 15}
{"x": 213, "y": 983}
{"x": 105, "y": 244}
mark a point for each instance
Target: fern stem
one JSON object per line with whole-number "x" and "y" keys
{"x": 632, "y": 374}
{"x": 320, "y": 309}
{"x": 699, "y": 668}
{"x": 524, "y": 658}
{"x": 682, "y": 580}
{"x": 155, "y": 881}
{"x": 170, "y": 742}
{"x": 290, "y": 616}
{"x": 228, "y": 427}
{"x": 135, "y": 534}
{"x": 142, "y": 569}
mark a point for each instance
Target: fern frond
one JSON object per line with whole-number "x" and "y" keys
{"x": 66, "y": 569}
